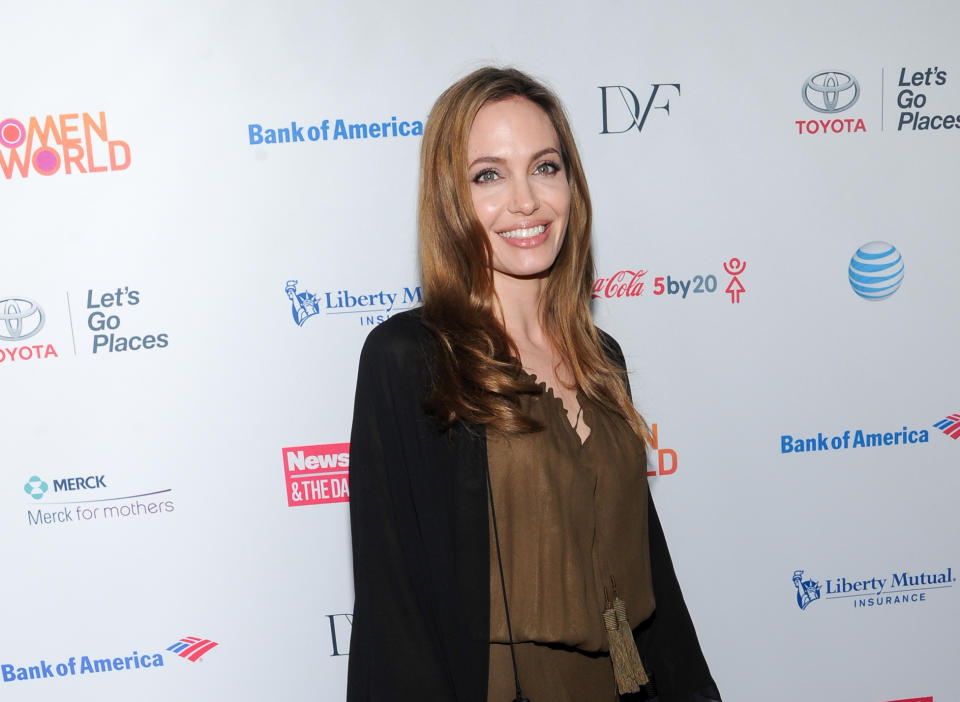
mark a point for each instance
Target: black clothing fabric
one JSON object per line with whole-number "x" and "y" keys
{"x": 421, "y": 548}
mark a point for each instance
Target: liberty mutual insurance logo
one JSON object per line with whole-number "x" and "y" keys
{"x": 305, "y": 304}
{"x": 896, "y": 589}
{"x": 807, "y": 590}
{"x": 369, "y": 307}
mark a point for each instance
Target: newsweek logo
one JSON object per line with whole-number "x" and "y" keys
{"x": 634, "y": 282}
{"x": 317, "y": 475}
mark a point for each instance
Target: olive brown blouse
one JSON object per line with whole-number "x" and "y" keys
{"x": 571, "y": 519}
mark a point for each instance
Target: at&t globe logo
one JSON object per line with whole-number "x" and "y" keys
{"x": 876, "y": 270}
{"x": 19, "y": 318}
{"x": 830, "y": 91}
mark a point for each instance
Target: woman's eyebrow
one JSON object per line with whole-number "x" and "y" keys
{"x": 497, "y": 159}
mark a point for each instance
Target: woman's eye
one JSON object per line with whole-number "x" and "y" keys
{"x": 547, "y": 168}
{"x": 487, "y": 176}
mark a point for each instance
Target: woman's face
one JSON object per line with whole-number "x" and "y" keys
{"x": 519, "y": 187}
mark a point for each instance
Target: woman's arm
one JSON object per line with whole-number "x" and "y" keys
{"x": 395, "y": 651}
{"x": 667, "y": 641}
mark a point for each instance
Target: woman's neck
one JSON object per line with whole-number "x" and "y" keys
{"x": 520, "y": 308}
{"x": 521, "y": 302}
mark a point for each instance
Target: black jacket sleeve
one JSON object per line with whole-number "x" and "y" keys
{"x": 395, "y": 652}
{"x": 667, "y": 641}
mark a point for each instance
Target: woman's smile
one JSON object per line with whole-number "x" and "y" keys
{"x": 519, "y": 186}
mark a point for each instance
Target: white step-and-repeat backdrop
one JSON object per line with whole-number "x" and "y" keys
{"x": 206, "y": 206}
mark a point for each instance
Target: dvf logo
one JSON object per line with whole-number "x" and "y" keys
{"x": 659, "y": 99}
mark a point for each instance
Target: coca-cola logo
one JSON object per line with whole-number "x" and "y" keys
{"x": 623, "y": 283}
{"x": 632, "y": 283}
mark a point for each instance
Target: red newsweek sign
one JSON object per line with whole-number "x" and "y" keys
{"x": 318, "y": 474}
{"x": 916, "y": 699}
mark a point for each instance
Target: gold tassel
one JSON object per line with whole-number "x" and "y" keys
{"x": 627, "y": 666}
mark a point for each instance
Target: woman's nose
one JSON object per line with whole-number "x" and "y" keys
{"x": 523, "y": 199}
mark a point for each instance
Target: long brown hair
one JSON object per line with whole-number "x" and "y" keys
{"x": 477, "y": 375}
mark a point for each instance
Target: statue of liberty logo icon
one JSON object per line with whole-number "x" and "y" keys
{"x": 807, "y": 590}
{"x": 303, "y": 304}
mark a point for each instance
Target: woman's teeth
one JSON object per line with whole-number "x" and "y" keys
{"x": 524, "y": 233}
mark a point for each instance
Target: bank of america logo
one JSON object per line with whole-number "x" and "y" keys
{"x": 950, "y": 425}
{"x": 192, "y": 647}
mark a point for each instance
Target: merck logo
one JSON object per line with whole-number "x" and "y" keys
{"x": 36, "y": 487}
{"x": 192, "y": 647}
{"x": 950, "y": 425}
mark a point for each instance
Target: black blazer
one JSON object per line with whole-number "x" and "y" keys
{"x": 421, "y": 548}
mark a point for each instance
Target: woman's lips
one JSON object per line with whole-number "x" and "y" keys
{"x": 526, "y": 237}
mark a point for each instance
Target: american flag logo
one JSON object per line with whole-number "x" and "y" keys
{"x": 192, "y": 647}
{"x": 950, "y": 425}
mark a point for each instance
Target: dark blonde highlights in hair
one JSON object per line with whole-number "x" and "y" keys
{"x": 477, "y": 375}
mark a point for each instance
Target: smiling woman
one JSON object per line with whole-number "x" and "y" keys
{"x": 519, "y": 189}
{"x": 504, "y": 539}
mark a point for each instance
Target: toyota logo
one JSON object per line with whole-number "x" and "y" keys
{"x": 19, "y": 318}
{"x": 830, "y": 91}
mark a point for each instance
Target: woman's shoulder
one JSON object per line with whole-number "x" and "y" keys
{"x": 611, "y": 348}
{"x": 398, "y": 341}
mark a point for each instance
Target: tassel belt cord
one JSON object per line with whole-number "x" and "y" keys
{"x": 503, "y": 586}
{"x": 628, "y": 669}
